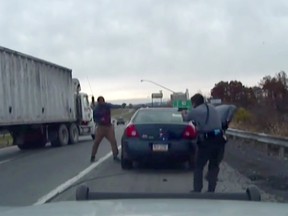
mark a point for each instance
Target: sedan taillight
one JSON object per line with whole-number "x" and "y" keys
{"x": 190, "y": 132}
{"x": 131, "y": 131}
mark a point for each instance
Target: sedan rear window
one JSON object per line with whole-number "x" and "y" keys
{"x": 159, "y": 116}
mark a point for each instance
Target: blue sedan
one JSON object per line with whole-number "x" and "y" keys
{"x": 158, "y": 134}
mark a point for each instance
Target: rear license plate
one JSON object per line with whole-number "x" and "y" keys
{"x": 160, "y": 147}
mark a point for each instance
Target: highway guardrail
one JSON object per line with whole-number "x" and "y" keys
{"x": 268, "y": 141}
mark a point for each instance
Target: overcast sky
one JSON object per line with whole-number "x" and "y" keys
{"x": 177, "y": 43}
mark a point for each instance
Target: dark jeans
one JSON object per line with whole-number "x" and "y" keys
{"x": 213, "y": 151}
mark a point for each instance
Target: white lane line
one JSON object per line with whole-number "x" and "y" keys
{"x": 5, "y": 161}
{"x": 71, "y": 181}
{"x": 8, "y": 148}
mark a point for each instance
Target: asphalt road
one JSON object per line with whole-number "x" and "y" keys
{"x": 28, "y": 176}
{"x": 109, "y": 177}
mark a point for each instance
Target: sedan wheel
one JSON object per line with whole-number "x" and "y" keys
{"x": 125, "y": 163}
{"x": 191, "y": 163}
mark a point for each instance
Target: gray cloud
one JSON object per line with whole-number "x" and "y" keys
{"x": 181, "y": 44}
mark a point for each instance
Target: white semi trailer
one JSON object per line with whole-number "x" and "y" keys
{"x": 40, "y": 102}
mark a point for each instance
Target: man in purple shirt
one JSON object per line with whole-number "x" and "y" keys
{"x": 104, "y": 129}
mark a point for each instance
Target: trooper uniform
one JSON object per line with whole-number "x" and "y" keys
{"x": 211, "y": 141}
{"x": 226, "y": 113}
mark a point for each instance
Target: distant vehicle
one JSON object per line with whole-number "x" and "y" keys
{"x": 40, "y": 101}
{"x": 120, "y": 120}
{"x": 158, "y": 133}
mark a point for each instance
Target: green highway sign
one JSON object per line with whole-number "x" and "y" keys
{"x": 182, "y": 104}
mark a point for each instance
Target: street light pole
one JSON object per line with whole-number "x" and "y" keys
{"x": 157, "y": 84}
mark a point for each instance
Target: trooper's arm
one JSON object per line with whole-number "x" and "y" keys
{"x": 229, "y": 117}
{"x": 188, "y": 116}
{"x": 231, "y": 113}
{"x": 225, "y": 125}
{"x": 111, "y": 106}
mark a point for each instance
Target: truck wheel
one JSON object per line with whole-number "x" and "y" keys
{"x": 62, "y": 136}
{"x": 18, "y": 140}
{"x": 29, "y": 139}
{"x": 73, "y": 134}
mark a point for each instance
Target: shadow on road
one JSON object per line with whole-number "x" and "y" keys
{"x": 160, "y": 167}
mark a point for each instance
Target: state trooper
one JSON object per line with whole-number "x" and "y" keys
{"x": 211, "y": 141}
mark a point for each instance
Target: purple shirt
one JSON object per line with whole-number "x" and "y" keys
{"x": 102, "y": 114}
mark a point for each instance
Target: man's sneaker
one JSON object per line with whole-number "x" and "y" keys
{"x": 116, "y": 158}
{"x": 92, "y": 159}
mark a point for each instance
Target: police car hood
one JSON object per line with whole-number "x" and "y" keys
{"x": 151, "y": 207}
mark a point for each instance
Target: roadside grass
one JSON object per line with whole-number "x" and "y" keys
{"x": 118, "y": 112}
{"x": 5, "y": 140}
{"x": 128, "y": 115}
{"x": 260, "y": 122}
{"x": 278, "y": 129}
{"x": 125, "y": 113}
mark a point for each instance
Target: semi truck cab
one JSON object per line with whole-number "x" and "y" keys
{"x": 84, "y": 112}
